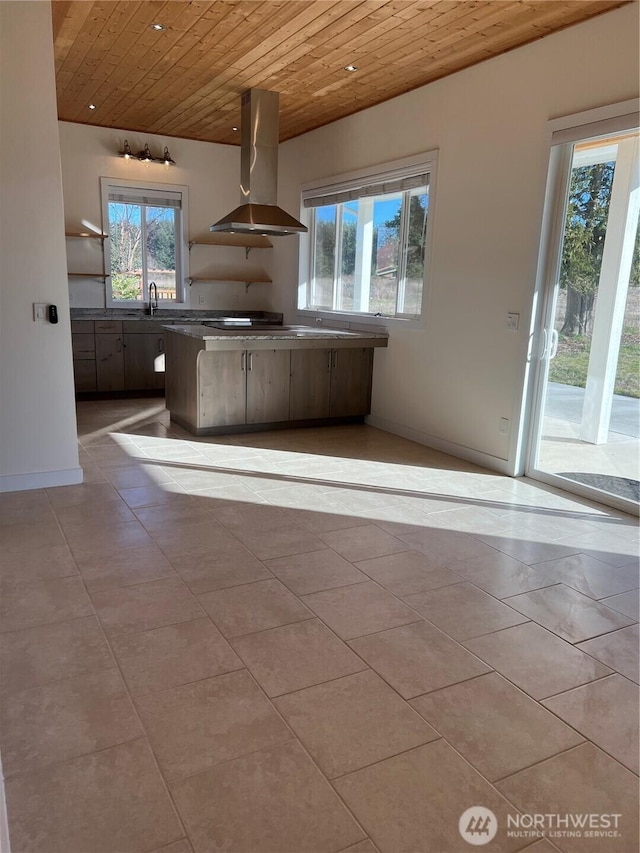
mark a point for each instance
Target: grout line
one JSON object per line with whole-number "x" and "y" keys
{"x": 299, "y": 597}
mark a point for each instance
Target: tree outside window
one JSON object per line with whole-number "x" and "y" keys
{"x": 368, "y": 253}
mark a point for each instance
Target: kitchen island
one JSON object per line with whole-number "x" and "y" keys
{"x": 222, "y": 380}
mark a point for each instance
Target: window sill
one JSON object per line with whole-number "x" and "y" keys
{"x": 348, "y": 320}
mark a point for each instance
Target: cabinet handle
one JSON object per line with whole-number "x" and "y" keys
{"x": 119, "y": 345}
{"x": 250, "y": 361}
{"x": 160, "y": 343}
{"x": 243, "y": 360}
{"x": 329, "y": 354}
{"x": 335, "y": 359}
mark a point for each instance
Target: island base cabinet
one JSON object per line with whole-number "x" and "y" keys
{"x": 332, "y": 383}
{"x": 222, "y": 389}
{"x": 243, "y": 387}
{"x": 310, "y": 387}
{"x": 351, "y": 377}
{"x": 267, "y": 386}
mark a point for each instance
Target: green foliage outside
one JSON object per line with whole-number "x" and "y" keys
{"x": 126, "y": 247}
{"x": 161, "y": 244}
{"x": 383, "y": 287}
{"x": 126, "y": 286}
{"x": 570, "y": 365}
{"x": 585, "y": 231}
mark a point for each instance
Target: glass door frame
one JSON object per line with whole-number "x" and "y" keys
{"x": 547, "y": 287}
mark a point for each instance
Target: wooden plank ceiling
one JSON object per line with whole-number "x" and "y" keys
{"x": 186, "y": 79}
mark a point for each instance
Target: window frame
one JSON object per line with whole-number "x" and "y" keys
{"x": 125, "y": 186}
{"x": 425, "y": 163}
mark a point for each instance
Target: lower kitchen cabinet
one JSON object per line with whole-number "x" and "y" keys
{"x": 116, "y": 355}
{"x": 333, "y": 383}
{"x": 310, "y": 384}
{"x": 83, "y": 345}
{"x": 351, "y": 377}
{"x": 218, "y": 397}
{"x": 84, "y": 373}
{"x": 242, "y": 387}
{"x": 267, "y": 385}
{"x": 141, "y": 353}
{"x": 109, "y": 362}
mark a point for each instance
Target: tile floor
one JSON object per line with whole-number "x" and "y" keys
{"x": 313, "y": 640}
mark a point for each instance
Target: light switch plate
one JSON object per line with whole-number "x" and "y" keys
{"x": 513, "y": 321}
{"x": 39, "y": 311}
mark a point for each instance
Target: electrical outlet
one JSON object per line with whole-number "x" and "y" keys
{"x": 503, "y": 428}
{"x": 513, "y": 321}
{"x": 201, "y": 299}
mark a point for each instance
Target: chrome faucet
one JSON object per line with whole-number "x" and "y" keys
{"x": 153, "y": 299}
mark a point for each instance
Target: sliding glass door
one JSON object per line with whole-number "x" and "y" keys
{"x": 585, "y": 433}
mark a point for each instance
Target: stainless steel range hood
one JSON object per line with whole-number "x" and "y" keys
{"x": 258, "y": 213}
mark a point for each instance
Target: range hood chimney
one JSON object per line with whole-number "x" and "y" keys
{"x": 258, "y": 212}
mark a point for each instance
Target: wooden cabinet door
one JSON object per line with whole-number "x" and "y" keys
{"x": 140, "y": 354}
{"x": 310, "y": 384}
{"x": 221, "y": 388}
{"x": 109, "y": 362}
{"x": 84, "y": 374}
{"x": 351, "y": 375}
{"x": 267, "y": 385}
{"x": 83, "y": 345}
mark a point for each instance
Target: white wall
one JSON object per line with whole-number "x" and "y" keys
{"x": 450, "y": 383}
{"x": 212, "y": 174}
{"x": 37, "y": 411}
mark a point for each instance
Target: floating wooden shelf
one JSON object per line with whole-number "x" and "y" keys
{"x": 243, "y": 241}
{"x": 88, "y": 274}
{"x": 90, "y": 234}
{"x": 93, "y": 235}
{"x": 229, "y": 278}
{"x": 246, "y": 241}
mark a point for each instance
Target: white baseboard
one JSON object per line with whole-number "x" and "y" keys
{"x": 40, "y": 480}
{"x": 493, "y": 463}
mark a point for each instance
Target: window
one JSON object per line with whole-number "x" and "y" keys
{"x": 368, "y": 240}
{"x": 145, "y": 228}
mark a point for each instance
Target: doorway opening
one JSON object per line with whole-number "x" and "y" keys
{"x": 586, "y": 422}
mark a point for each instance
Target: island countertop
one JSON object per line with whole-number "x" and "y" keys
{"x": 283, "y": 337}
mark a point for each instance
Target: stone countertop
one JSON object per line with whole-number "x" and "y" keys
{"x": 289, "y": 337}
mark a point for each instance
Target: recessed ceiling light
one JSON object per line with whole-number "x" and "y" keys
{"x": 350, "y": 67}
{"x": 92, "y": 106}
{"x": 158, "y": 27}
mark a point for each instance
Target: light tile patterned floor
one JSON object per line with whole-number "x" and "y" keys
{"x": 309, "y": 641}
